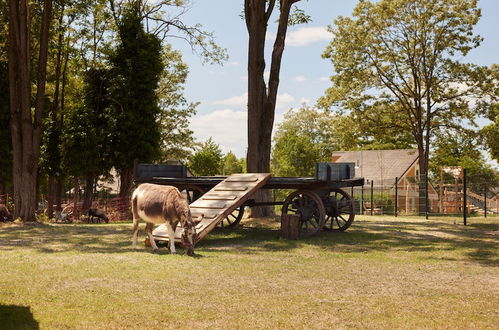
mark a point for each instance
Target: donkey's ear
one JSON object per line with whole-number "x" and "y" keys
{"x": 199, "y": 219}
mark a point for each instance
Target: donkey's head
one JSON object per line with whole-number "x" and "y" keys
{"x": 189, "y": 235}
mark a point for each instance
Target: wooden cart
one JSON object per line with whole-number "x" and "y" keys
{"x": 320, "y": 201}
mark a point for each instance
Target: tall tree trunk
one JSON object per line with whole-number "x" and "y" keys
{"x": 126, "y": 182}
{"x": 26, "y": 127}
{"x": 89, "y": 192}
{"x": 59, "y": 186}
{"x": 50, "y": 196}
{"x": 262, "y": 101}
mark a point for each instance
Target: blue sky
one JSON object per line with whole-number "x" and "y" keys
{"x": 304, "y": 74}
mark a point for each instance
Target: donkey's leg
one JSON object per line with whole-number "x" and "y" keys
{"x": 171, "y": 237}
{"x": 136, "y": 219}
{"x": 149, "y": 228}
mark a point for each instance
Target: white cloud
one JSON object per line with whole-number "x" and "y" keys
{"x": 304, "y": 100}
{"x": 300, "y": 79}
{"x": 283, "y": 100}
{"x": 227, "y": 127}
{"x": 238, "y": 100}
{"x": 324, "y": 78}
{"x": 307, "y": 35}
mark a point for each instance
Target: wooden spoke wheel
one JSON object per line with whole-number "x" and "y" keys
{"x": 309, "y": 207}
{"x": 233, "y": 219}
{"x": 340, "y": 211}
{"x": 192, "y": 193}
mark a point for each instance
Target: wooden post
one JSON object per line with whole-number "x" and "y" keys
{"x": 290, "y": 226}
{"x": 372, "y": 196}
{"x": 396, "y": 195}
{"x": 465, "y": 211}
{"x": 485, "y": 201}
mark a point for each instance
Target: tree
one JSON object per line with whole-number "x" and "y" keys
{"x": 262, "y": 97}
{"x": 396, "y": 67}
{"x": 136, "y": 67}
{"x": 230, "y": 164}
{"x": 304, "y": 137}
{"x": 26, "y": 126}
{"x": 87, "y": 146}
{"x": 491, "y": 132}
{"x": 177, "y": 141}
{"x": 5, "y": 137}
{"x": 207, "y": 160}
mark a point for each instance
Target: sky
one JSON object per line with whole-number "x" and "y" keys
{"x": 222, "y": 90}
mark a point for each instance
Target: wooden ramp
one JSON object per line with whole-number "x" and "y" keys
{"x": 218, "y": 203}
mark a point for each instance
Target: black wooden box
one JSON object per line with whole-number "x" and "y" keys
{"x": 143, "y": 171}
{"x": 334, "y": 171}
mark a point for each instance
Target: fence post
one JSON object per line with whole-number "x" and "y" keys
{"x": 485, "y": 201}
{"x": 426, "y": 195}
{"x": 465, "y": 211}
{"x": 362, "y": 200}
{"x": 372, "y": 196}
{"x": 396, "y": 195}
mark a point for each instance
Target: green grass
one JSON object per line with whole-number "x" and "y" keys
{"x": 383, "y": 273}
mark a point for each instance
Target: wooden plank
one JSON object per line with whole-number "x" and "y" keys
{"x": 242, "y": 178}
{"x": 207, "y": 204}
{"x": 208, "y": 213}
{"x": 226, "y": 188}
{"x": 220, "y": 197}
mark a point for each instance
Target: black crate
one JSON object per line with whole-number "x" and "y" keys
{"x": 334, "y": 171}
{"x": 143, "y": 171}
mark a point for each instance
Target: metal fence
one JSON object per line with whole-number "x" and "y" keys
{"x": 444, "y": 196}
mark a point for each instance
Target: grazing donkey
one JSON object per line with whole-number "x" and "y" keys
{"x": 158, "y": 204}
{"x": 94, "y": 213}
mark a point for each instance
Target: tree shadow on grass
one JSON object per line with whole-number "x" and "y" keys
{"x": 477, "y": 243}
{"x": 17, "y": 317}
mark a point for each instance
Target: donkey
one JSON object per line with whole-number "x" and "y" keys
{"x": 158, "y": 204}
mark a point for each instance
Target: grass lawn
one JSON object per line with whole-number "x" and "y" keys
{"x": 383, "y": 273}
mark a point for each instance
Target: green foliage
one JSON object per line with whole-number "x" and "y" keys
{"x": 207, "y": 160}
{"x": 397, "y": 69}
{"x": 230, "y": 164}
{"x": 305, "y": 137}
{"x": 177, "y": 141}
{"x": 491, "y": 132}
{"x": 136, "y": 69}
{"x": 87, "y": 134}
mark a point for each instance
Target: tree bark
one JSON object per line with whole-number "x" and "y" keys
{"x": 89, "y": 192}
{"x": 126, "y": 181}
{"x": 262, "y": 101}
{"x": 26, "y": 127}
{"x": 50, "y": 196}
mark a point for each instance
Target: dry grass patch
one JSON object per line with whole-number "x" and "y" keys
{"x": 384, "y": 272}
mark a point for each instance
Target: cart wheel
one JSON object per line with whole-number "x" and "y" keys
{"x": 233, "y": 219}
{"x": 192, "y": 192}
{"x": 339, "y": 210}
{"x": 308, "y": 205}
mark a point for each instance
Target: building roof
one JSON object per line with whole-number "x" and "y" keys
{"x": 380, "y": 166}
